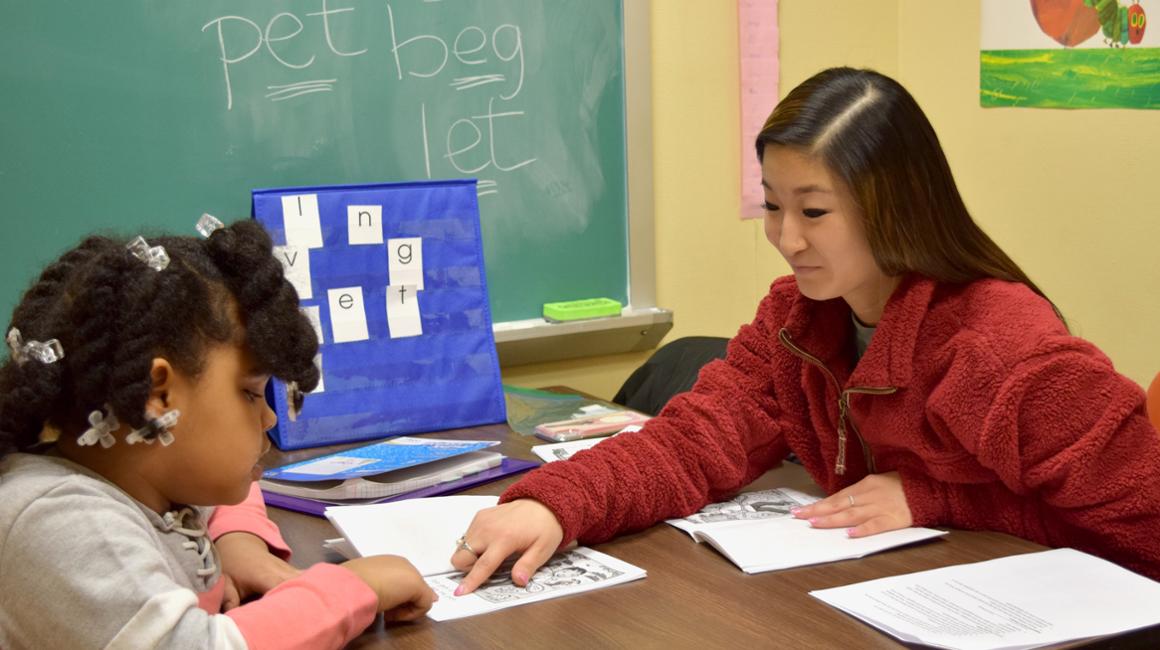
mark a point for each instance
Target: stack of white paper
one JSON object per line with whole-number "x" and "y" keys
{"x": 425, "y": 531}
{"x": 564, "y": 450}
{"x": 1022, "y": 601}
{"x": 757, "y": 533}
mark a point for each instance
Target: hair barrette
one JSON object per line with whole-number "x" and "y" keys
{"x": 294, "y": 398}
{"x": 154, "y": 256}
{"x": 101, "y": 429}
{"x": 48, "y": 351}
{"x": 207, "y": 224}
{"x": 157, "y": 428}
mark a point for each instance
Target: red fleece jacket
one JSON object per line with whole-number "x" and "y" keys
{"x": 992, "y": 414}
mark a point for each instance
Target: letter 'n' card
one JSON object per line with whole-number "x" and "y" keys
{"x": 392, "y": 278}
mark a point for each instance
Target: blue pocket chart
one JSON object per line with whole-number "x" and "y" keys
{"x": 392, "y": 277}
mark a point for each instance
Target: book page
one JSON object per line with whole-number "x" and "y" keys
{"x": 422, "y": 530}
{"x": 569, "y": 572}
{"x": 756, "y": 531}
{"x": 1020, "y": 601}
{"x": 774, "y": 544}
{"x": 748, "y": 506}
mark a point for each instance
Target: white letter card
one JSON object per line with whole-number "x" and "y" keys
{"x": 364, "y": 224}
{"x": 300, "y": 219}
{"x": 405, "y": 264}
{"x": 348, "y": 315}
{"x": 403, "y": 311}
{"x": 313, "y": 313}
{"x": 296, "y": 266}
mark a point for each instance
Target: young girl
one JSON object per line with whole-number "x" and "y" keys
{"x": 915, "y": 370}
{"x": 131, "y": 404}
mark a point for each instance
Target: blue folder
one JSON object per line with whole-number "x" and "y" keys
{"x": 508, "y": 467}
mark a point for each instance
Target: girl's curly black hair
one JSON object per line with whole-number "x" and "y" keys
{"x": 113, "y": 315}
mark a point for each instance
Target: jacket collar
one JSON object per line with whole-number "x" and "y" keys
{"x": 825, "y": 330}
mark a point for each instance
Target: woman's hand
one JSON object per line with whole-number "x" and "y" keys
{"x": 249, "y": 565}
{"x": 403, "y": 594}
{"x": 524, "y": 526}
{"x": 875, "y": 504}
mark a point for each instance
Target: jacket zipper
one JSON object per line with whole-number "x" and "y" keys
{"x": 843, "y": 405}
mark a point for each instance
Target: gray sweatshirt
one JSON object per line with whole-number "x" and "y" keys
{"x": 83, "y": 565}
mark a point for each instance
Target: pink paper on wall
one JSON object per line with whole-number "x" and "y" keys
{"x": 758, "y": 39}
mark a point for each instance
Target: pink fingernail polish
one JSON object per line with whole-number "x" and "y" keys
{"x": 458, "y": 591}
{"x": 795, "y": 510}
{"x": 849, "y": 532}
{"x": 813, "y": 521}
{"x": 520, "y": 578}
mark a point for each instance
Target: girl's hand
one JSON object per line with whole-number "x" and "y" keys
{"x": 524, "y": 526}
{"x": 875, "y": 504}
{"x": 231, "y": 598}
{"x": 248, "y": 563}
{"x": 403, "y": 595}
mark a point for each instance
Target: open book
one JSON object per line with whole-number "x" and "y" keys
{"x": 381, "y": 469}
{"x": 425, "y": 531}
{"x": 757, "y": 533}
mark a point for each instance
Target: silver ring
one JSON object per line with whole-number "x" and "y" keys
{"x": 848, "y": 496}
{"x": 462, "y": 544}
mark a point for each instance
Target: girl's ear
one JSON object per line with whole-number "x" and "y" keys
{"x": 162, "y": 376}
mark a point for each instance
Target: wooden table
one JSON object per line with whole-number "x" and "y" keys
{"x": 692, "y": 598}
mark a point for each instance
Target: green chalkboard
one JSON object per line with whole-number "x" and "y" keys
{"x": 139, "y": 115}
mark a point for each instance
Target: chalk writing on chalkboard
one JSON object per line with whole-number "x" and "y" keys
{"x": 498, "y": 50}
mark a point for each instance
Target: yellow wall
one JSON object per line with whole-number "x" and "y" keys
{"x": 1064, "y": 192}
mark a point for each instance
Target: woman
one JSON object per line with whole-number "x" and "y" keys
{"x": 916, "y": 371}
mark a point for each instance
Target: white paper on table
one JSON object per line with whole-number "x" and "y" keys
{"x": 1022, "y": 601}
{"x": 568, "y": 572}
{"x": 565, "y": 450}
{"x": 422, "y": 530}
{"x": 341, "y": 546}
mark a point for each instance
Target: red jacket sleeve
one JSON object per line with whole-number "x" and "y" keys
{"x": 1069, "y": 440}
{"x": 705, "y": 445}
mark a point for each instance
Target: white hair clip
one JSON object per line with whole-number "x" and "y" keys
{"x": 157, "y": 428}
{"x": 48, "y": 351}
{"x": 101, "y": 430}
{"x": 154, "y": 256}
{"x": 294, "y": 400}
{"x": 207, "y": 224}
